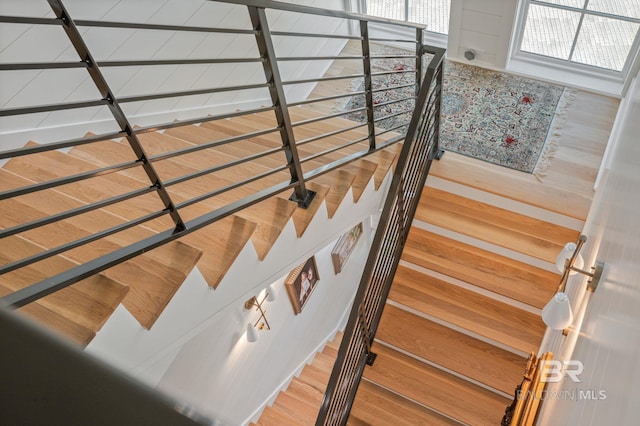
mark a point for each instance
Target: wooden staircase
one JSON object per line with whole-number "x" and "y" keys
{"x": 146, "y": 284}
{"x": 463, "y": 312}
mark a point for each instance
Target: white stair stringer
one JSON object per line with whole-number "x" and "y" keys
{"x": 167, "y": 355}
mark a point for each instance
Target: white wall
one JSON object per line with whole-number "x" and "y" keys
{"x": 484, "y": 26}
{"x": 609, "y": 337}
{"x": 38, "y": 43}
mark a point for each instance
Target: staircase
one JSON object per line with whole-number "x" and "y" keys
{"x": 463, "y": 313}
{"x": 146, "y": 284}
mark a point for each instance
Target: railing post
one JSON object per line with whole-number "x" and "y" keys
{"x": 118, "y": 114}
{"x": 301, "y": 195}
{"x": 368, "y": 83}
{"x": 419, "y": 54}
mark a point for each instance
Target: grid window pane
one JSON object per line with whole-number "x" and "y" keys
{"x": 572, "y": 3}
{"x": 628, "y": 8}
{"x": 604, "y": 42}
{"x": 550, "y": 31}
{"x": 392, "y": 9}
{"x": 433, "y": 13}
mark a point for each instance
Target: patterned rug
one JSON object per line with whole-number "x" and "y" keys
{"x": 496, "y": 117}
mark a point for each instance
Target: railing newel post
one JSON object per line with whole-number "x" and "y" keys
{"x": 368, "y": 83}
{"x": 302, "y": 195}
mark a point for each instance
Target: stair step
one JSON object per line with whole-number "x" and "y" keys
{"x": 88, "y": 303}
{"x": 523, "y": 234}
{"x": 455, "y": 351}
{"x": 298, "y": 408}
{"x": 431, "y": 387}
{"x": 152, "y": 286}
{"x": 484, "y": 269}
{"x": 272, "y": 416}
{"x": 510, "y": 183}
{"x": 467, "y": 309}
{"x": 377, "y": 405}
{"x": 270, "y": 215}
{"x": 153, "y": 277}
{"x": 315, "y": 376}
{"x": 53, "y": 321}
{"x": 303, "y": 217}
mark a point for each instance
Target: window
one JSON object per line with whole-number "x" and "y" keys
{"x": 432, "y": 13}
{"x": 597, "y": 33}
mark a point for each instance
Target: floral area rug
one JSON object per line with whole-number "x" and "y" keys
{"x": 500, "y": 118}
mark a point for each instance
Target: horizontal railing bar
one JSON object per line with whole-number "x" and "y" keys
{"x": 51, "y": 107}
{"x": 391, "y": 129}
{"x": 317, "y": 58}
{"x": 337, "y": 148}
{"x": 325, "y": 117}
{"x": 206, "y": 119}
{"x": 77, "y": 243}
{"x": 297, "y": 34}
{"x": 393, "y": 56}
{"x": 230, "y": 187}
{"x": 58, "y": 145}
{"x": 191, "y": 92}
{"x": 28, "y": 20}
{"x": 314, "y": 80}
{"x": 380, "y": 73}
{"x": 396, "y": 40}
{"x": 71, "y": 276}
{"x": 328, "y": 134}
{"x": 212, "y": 144}
{"x": 178, "y": 62}
{"x": 67, "y": 179}
{"x": 332, "y": 13}
{"x": 386, "y": 89}
{"x": 210, "y": 170}
{"x": 395, "y": 114}
{"x": 142, "y": 26}
{"x": 73, "y": 212}
{"x": 395, "y": 101}
{"x": 42, "y": 65}
{"x": 326, "y": 98}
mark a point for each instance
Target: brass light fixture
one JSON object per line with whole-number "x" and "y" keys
{"x": 262, "y": 322}
{"x": 557, "y": 313}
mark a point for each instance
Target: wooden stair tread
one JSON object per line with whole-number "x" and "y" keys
{"x": 153, "y": 279}
{"x": 501, "y": 322}
{"x": 272, "y": 416}
{"x": 499, "y": 274}
{"x": 227, "y": 235}
{"x": 504, "y": 228}
{"x": 375, "y": 405}
{"x": 297, "y": 408}
{"x": 445, "y": 393}
{"x": 303, "y": 217}
{"x": 510, "y": 183}
{"x": 54, "y": 322}
{"x": 470, "y": 357}
{"x": 88, "y": 303}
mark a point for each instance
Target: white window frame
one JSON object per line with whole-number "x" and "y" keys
{"x": 615, "y": 82}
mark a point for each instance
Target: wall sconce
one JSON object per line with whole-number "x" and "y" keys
{"x": 557, "y": 313}
{"x": 252, "y": 334}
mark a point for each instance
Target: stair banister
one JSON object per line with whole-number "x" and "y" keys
{"x": 420, "y": 148}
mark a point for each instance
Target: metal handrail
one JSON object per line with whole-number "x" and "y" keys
{"x": 141, "y": 160}
{"x": 419, "y": 149}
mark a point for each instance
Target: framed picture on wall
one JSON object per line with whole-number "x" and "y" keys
{"x": 301, "y": 282}
{"x": 343, "y": 248}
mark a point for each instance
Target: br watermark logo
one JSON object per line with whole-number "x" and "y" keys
{"x": 554, "y": 371}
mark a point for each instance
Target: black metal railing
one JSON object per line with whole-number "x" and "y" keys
{"x": 297, "y": 162}
{"x": 420, "y": 148}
